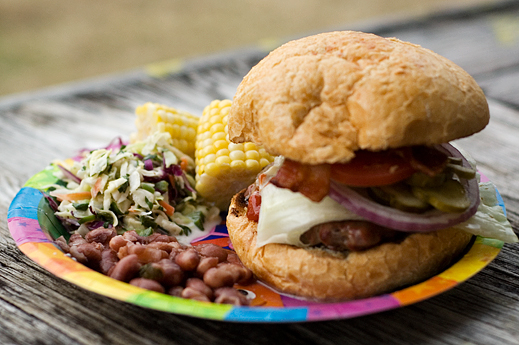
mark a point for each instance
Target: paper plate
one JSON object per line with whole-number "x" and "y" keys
{"x": 33, "y": 227}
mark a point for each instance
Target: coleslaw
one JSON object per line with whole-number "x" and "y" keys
{"x": 147, "y": 186}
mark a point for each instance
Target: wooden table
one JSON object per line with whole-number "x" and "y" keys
{"x": 38, "y": 308}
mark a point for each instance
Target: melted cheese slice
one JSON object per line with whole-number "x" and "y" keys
{"x": 286, "y": 215}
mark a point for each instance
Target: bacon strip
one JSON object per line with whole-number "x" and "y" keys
{"x": 426, "y": 159}
{"x": 313, "y": 181}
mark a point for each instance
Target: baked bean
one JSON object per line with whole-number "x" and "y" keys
{"x": 199, "y": 285}
{"x": 209, "y": 249}
{"x": 147, "y": 284}
{"x": 126, "y": 268}
{"x": 188, "y": 259}
{"x": 229, "y": 295}
{"x": 205, "y": 264}
{"x": 194, "y": 294}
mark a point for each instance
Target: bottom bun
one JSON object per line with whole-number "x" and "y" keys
{"x": 326, "y": 275}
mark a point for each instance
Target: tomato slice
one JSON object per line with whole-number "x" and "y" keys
{"x": 370, "y": 169}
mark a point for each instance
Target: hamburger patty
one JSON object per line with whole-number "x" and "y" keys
{"x": 352, "y": 235}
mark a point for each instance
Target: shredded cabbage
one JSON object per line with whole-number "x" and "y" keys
{"x": 128, "y": 194}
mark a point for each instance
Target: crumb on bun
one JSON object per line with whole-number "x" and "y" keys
{"x": 321, "y": 98}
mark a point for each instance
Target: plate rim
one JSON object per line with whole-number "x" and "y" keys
{"x": 31, "y": 240}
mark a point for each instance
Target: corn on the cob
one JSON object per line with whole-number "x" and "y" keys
{"x": 224, "y": 168}
{"x": 153, "y": 117}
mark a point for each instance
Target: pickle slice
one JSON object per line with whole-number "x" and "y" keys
{"x": 400, "y": 197}
{"x": 420, "y": 179}
{"x": 461, "y": 171}
{"x": 449, "y": 197}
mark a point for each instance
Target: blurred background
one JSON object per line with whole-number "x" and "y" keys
{"x": 45, "y": 43}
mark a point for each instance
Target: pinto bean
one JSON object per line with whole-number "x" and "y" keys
{"x": 175, "y": 291}
{"x": 223, "y": 275}
{"x": 147, "y": 254}
{"x": 108, "y": 261}
{"x": 172, "y": 274}
{"x": 61, "y": 242}
{"x": 165, "y": 246}
{"x": 117, "y": 242}
{"x": 177, "y": 249}
{"x": 194, "y": 294}
{"x": 76, "y": 239}
{"x": 126, "y": 268}
{"x": 205, "y": 264}
{"x": 228, "y": 295}
{"x": 188, "y": 259}
{"x": 199, "y": 285}
{"x": 233, "y": 258}
{"x": 147, "y": 284}
{"x": 209, "y": 249}
{"x": 87, "y": 253}
{"x": 76, "y": 254}
{"x": 164, "y": 238}
{"x": 100, "y": 235}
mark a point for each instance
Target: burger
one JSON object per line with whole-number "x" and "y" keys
{"x": 367, "y": 194}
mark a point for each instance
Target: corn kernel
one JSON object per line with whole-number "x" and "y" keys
{"x": 236, "y": 147}
{"x": 253, "y": 154}
{"x": 211, "y": 158}
{"x": 222, "y": 160}
{"x": 264, "y": 162}
{"x": 218, "y": 127}
{"x": 238, "y": 164}
{"x": 250, "y": 146}
{"x": 252, "y": 165}
{"x": 223, "y": 152}
{"x": 221, "y": 144}
{"x": 219, "y": 136}
{"x": 237, "y": 155}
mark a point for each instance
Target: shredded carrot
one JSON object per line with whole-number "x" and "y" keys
{"x": 171, "y": 180}
{"x": 170, "y": 210}
{"x": 184, "y": 163}
{"x": 71, "y": 196}
{"x": 97, "y": 187}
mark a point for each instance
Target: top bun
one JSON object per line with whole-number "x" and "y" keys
{"x": 319, "y": 99}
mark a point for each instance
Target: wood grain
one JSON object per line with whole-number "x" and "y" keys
{"x": 38, "y": 308}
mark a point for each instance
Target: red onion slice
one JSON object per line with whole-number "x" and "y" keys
{"x": 405, "y": 221}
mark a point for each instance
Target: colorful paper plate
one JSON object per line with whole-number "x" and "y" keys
{"x": 33, "y": 227}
